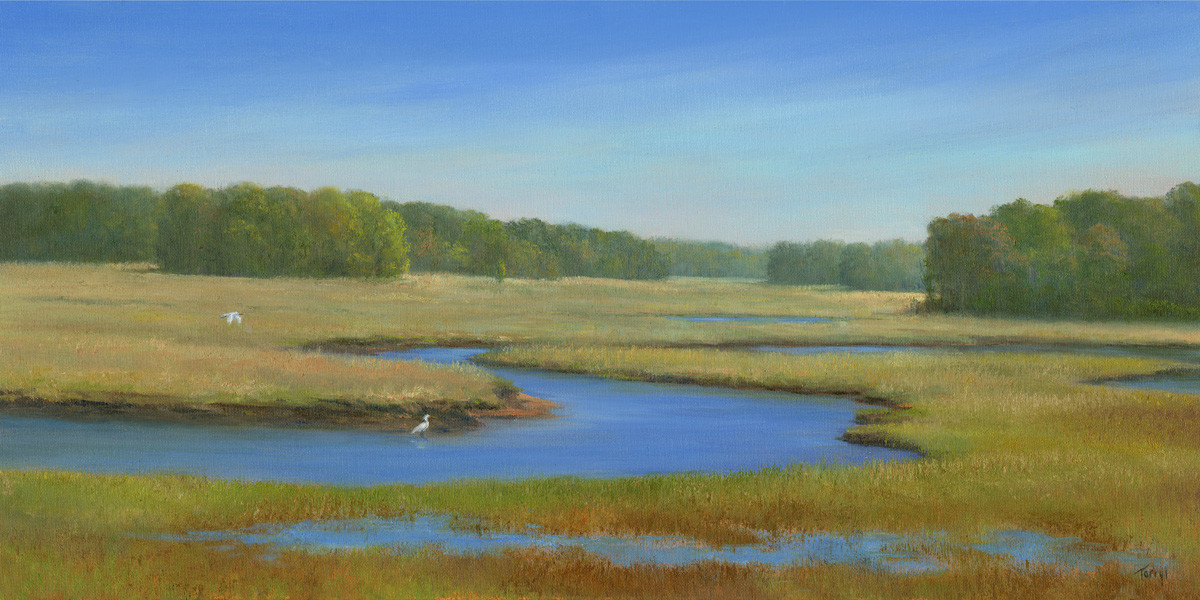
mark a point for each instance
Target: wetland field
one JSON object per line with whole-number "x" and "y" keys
{"x": 943, "y": 439}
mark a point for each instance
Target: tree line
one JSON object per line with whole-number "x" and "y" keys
{"x": 1091, "y": 254}
{"x": 79, "y": 221}
{"x": 247, "y": 229}
{"x": 888, "y": 265}
{"x": 713, "y": 259}
{"x": 442, "y": 238}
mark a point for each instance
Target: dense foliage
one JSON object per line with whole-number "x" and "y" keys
{"x": 889, "y": 265}
{"x": 713, "y": 259}
{"x": 246, "y": 229}
{"x": 249, "y": 230}
{"x": 442, "y": 238}
{"x": 80, "y": 221}
{"x": 1092, "y": 253}
{"x": 239, "y": 230}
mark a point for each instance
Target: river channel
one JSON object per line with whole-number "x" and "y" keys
{"x": 602, "y": 428}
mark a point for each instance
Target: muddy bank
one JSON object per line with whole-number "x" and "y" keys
{"x": 445, "y": 417}
{"x": 875, "y": 438}
{"x": 519, "y": 406}
{"x": 392, "y": 343}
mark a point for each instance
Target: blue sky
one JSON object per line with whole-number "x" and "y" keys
{"x": 747, "y": 122}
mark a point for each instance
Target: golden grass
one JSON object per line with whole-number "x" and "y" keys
{"x": 87, "y": 332}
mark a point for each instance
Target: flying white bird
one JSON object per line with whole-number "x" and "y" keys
{"x": 421, "y": 427}
{"x": 232, "y": 317}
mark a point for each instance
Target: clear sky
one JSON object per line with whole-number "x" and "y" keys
{"x": 747, "y": 122}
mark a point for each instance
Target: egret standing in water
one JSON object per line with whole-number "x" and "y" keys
{"x": 421, "y": 427}
{"x": 232, "y": 317}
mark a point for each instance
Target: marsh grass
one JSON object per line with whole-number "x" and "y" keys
{"x": 1010, "y": 440}
{"x": 71, "y": 538}
{"x": 127, "y": 335}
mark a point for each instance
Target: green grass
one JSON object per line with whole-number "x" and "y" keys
{"x": 1010, "y": 440}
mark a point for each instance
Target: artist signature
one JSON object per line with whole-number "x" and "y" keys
{"x": 1152, "y": 571}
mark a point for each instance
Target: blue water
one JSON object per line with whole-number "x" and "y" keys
{"x": 1190, "y": 355}
{"x": 736, "y": 319}
{"x": 1180, "y": 384}
{"x": 603, "y": 428}
{"x": 879, "y": 551}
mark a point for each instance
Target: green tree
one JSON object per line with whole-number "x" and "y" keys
{"x": 1104, "y": 283}
{"x": 970, "y": 264}
{"x": 857, "y": 268}
{"x": 185, "y": 224}
{"x": 1183, "y": 203}
{"x": 1143, "y": 224}
{"x": 899, "y": 266}
{"x": 80, "y": 221}
{"x": 486, "y": 245}
{"x": 1043, "y": 238}
{"x": 379, "y": 248}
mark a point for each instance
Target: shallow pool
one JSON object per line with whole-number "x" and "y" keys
{"x": 875, "y": 550}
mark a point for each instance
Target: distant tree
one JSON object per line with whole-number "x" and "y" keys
{"x": 80, "y": 221}
{"x": 1033, "y": 226}
{"x": 248, "y": 230}
{"x": 889, "y": 265}
{"x": 185, "y": 223}
{"x": 970, "y": 264}
{"x": 1092, "y": 253}
{"x": 533, "y": 251}
{"x": 713, "y": 259}
{"x": 1045, "y": 241}
{"x": 857, "y": 268}
{"x": 434, "y": 235}
{"x": 822, "y": 262}
{"x": 486, "y": 245}
{"x": 811, "y": 263}
{"x": 1104, "y": 260}
{"x": 899, "y": 266}
{"x": 379, "y": 248}
{"x": 1144, "y": 224}
{"x": 1183, "y": 203}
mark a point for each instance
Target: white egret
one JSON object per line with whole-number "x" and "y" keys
{"x": 421, "y": 427}
{"x": 232, "y": 317}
